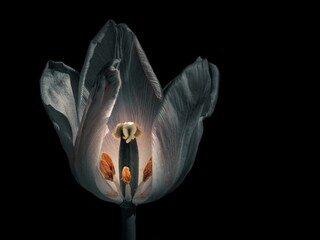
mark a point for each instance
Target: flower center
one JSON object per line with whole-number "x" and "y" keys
{"x": 128, "y": 161}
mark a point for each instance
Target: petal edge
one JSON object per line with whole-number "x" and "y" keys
{"x": 58, "y": 86}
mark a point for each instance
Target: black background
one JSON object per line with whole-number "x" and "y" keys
{"x": 227, "y": 192}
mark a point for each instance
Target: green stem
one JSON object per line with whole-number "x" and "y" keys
{"x": 128, "y": 218}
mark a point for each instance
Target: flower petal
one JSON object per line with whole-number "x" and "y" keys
{"x": 139, "y": 97}
{"x": 178, "y": 127}
{"x": 117, "y": 42}
{"x": 92, "y": 132}
{"x": 143, "y": 192}
{"x": 59, "y": 89}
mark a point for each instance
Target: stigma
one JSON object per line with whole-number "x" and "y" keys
{"x": 127, "y": 131}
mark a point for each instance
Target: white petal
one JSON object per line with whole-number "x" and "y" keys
{"x": 178, "y": 127}
{"x": 116, "y": 41}
{"x": 93, "y": 129}
{"x": 143, "y": 192}
{"x": 108, "y": 189}
{"x": 138, "y": 100}
{"x": 59, "y": 88}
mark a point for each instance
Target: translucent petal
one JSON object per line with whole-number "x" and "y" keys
{"x": 93, "y": 130}
{"x": 116, "y": 41}
{"x": 143, "y": 192}
{"x": 178, "y": 127}
{"x": 140, "y": 93}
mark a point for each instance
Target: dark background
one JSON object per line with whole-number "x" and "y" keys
{"x": 231, "y": 190}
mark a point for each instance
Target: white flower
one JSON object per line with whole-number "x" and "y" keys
{"x": 127, "y": 140}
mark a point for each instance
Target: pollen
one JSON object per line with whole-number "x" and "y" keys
{"x": 126, "y": 175}
{"x": 106, "y": 167}
{"x": 147, "y": 172}
{"x": 127, "y": 131}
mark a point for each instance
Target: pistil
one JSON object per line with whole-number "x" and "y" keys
{"x": 128, "y": 155}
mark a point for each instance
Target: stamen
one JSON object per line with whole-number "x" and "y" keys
{"x": 126, "y": 175}
{"x": 106, "y": 167}
{"x": 108, "y": 159}
{"x": 147, "y": 172}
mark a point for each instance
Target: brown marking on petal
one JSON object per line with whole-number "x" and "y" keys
{"x": 147, "y": 172}
{"x": 106, "y": 167}
{"x": 126, "y": 175}
{"x": 142, "y": 196}
{"x": 112, "y": 194}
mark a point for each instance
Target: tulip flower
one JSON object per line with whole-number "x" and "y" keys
{"x": 127, "y": 140}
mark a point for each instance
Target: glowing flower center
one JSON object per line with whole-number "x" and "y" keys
{"x": 128, "y": 160}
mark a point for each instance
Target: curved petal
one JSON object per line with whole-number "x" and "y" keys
{"x": 178, "y": 127}
{"x": 59, "y": 86}
{"x": 139, "y": 97}
{"x": 197, "y": 132}
{"x": 92, "y": 132}
{"x": 116, "y": 41}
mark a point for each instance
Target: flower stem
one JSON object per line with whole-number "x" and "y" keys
{"x": 128, "y": 218}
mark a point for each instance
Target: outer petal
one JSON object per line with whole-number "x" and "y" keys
{"x": 178, "y": 127}
{"x": 59, "y": 88}
{"x": 139, "y": 97}
{"x": 92, "y": 132}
